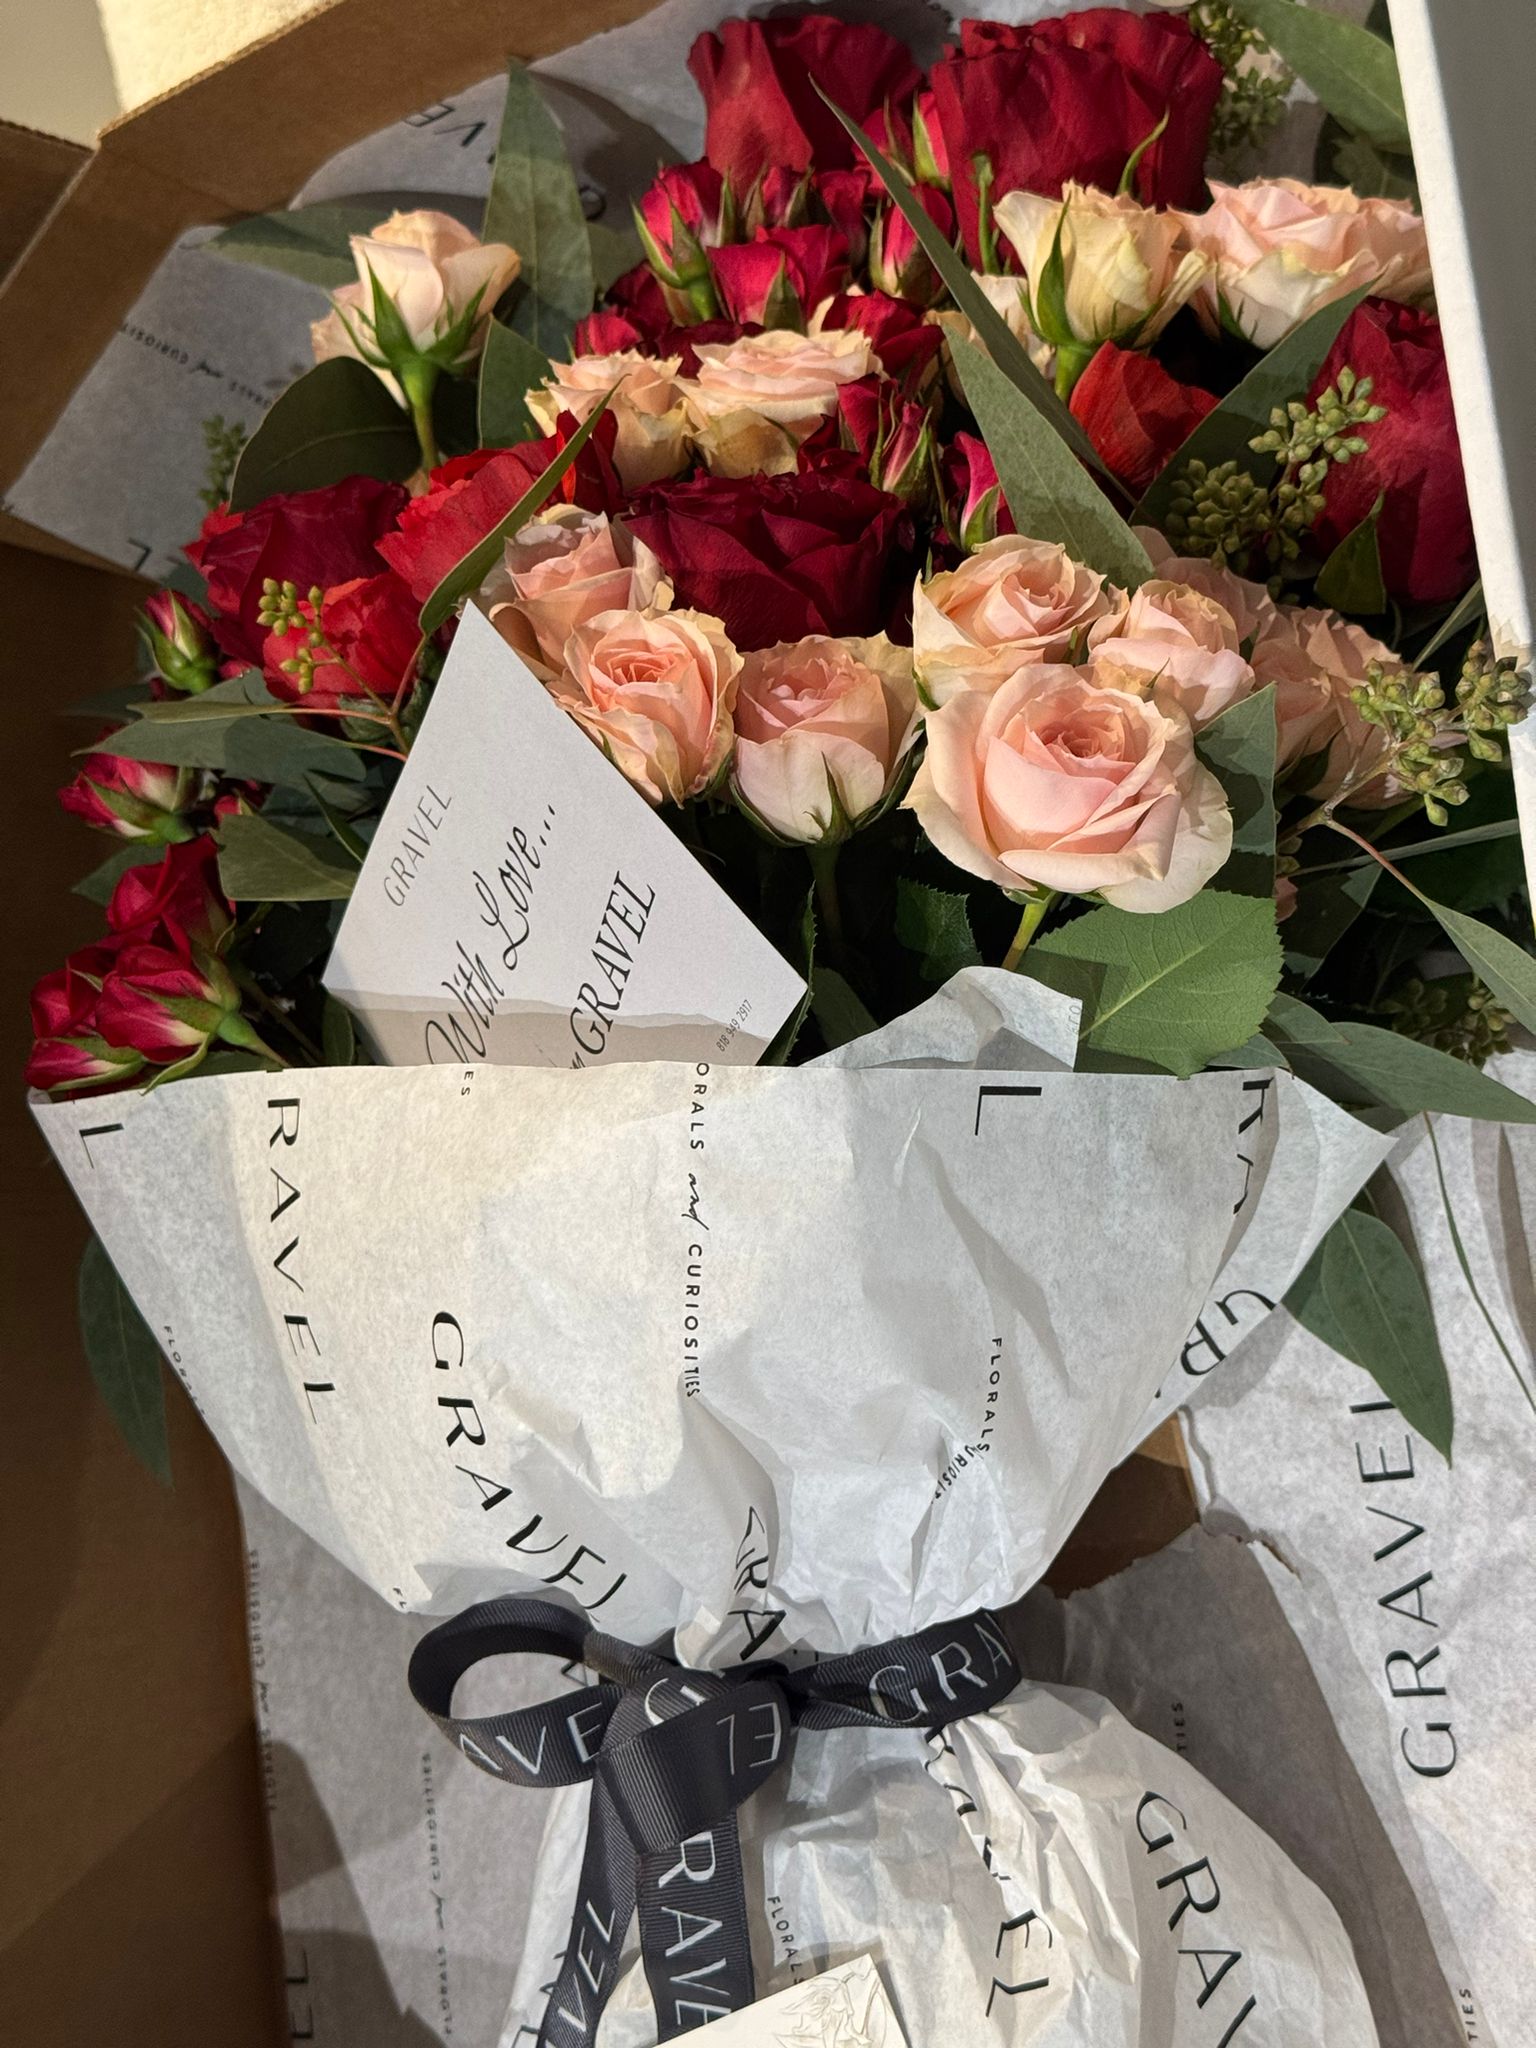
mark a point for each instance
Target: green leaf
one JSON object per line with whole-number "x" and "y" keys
{"x": 1353, "y": 72}
{"x": 535, "y": 205}
{"x": 337, "y": 420}
{"x": 614, "y": 250}
{"x": 273, "y": 749}
{"x": 471, "y": 570}
{"x": 935, "y": 924}
{"x": 1180, "y": 986}
{"x": 1223, "y": 435}
{"x": 1326, "y": 907}
{"x": 1362, "y": 1063}
{"x": 777, "y": 1054}
{"x": 838, "y": 1009}
{"x": 1355, "y": 161}
{"x": 1239, "y": 749}
{"x": 1004, "y": 347}
{"x": 338, "y": 1034}
{"x": 1471, "y": 607}
{"x": 510, "y": 367}
{"x": 97, "y": 886}
{"x": 1361, "y": 1294}
{"x": 1507, "y": 968}
{"x": 308, "y": 242}
{"x": 1351, "y": 579}
{"x": 262, "y": 863}
{"x": 124, "y": 1360}
{"x": 1050, "y": 494}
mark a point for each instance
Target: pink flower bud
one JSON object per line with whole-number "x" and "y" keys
{"x": 893, "y": 437}
{"x": 687, "y": 210}
{"x": 930, "y": 152}
{"x": 177, "y": 632}
{"x": 975, "y": 508}
{"x": 898, "y": 263}
{"x": 134, "y": 799}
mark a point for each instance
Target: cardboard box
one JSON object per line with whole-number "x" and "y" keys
{"x": 127, "y": 1741}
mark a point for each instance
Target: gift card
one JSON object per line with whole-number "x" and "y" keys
{"x": 522, "y": 904}
{"x": 846, "y": 2007}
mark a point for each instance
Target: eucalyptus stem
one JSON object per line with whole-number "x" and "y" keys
{"x": 1031, "y": 921}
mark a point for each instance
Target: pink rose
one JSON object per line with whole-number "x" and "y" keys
{"x": 655, "y": 690}
{"x": 562, "y": 569}
{"x": 1056, "y": 781}
{"x": 1248, "y": 604}
{"x": 1015, "y": 599}
{"x": 1306, "y": 708}
{"x": 754, "y": 401}
{"x": 647, "y": 407}
{"x": 1344, "y": 654}
{"x": 1172, "y": 638}
{"x": 1281, "y": 250}
{"x": 823, "y": 728}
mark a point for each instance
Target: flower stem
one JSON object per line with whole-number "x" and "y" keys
{"x": 418, "y": 383}
{"x": 823, "y": 859}
{"x": 1034, "y": 916}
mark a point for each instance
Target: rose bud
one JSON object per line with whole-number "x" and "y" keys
{"x": 1412, "y": 458}
{"x": 179, "y": 892}
{"x": 1176, "y": 641}
{"x": 1100, "y": 268}
{"x": 930, "y": 156}
{"x": 169, "y": 1006}
{"x": 824, "y": 729}
{"x": 1280, "y": 250}
{"x": 423, "y": 301}
{"x": 781, "y": 276}
{"x": 1136, "y": 415}
{"x": 687, "y": 211}
{"x": 607, "y": 332}
{"x": 759, "y": 80}
{"x": 755, "y": 401}
{"x": 176, "y": 633}
{"x": 780, "y": 198}
{"x": 906, "y": 343}
{"x": 638, "y": 296}
{"x": 1058, "y": 780}
{"x": 892, "y": 436}
{"x": 68, "y": 1050}
{"x": 561, "y": 570}
{"x": 844, "y": 197}
{"x": 135, "y": 799}
{"x": 655, "y": 691}
{"x": 975, "y": 509}
{"x": 898, "y": 263}
{"x": 646, "y": 405}
{"x": 889, "y": 129}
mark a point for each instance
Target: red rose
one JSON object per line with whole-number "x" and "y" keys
{"x": 908, "y": 345}
{"x": 975, "y": 510}
{"x": 1412, "y": 457}
{"x": 179, "y": 895}
{"x": 779, "y": 557}
{"x": 300, "y": 537}
{"x": 1074, "y": 98}
{"x": 759, "y": 81}
{"x": 163, "y": 1003}
{"x": 639, "y": 297}
{"x": 370, "y": 626}
{"x": 892, "y": 437}
{"x": 467, "y": 498}
{"x": 135, "y": 799}
{"x": 1136, "y": 415}
{"x": 898, "y": 263}
{"x": 845, "y": 197}
{"x": 781, "y": 276}
{"x": 177, "y": 633}
{"x": 68, "y": 1049}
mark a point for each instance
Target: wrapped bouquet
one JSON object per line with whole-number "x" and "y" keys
{"x": 769, "y": 874}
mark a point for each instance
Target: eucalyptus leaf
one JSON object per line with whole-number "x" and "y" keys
{"x": 1352, "y": 72}
{"x": 1003, "y": 346}
{"x": 1355, "y": 161}
{"x": 1286, "y": 372}
{"x": 312, "y": 243}
{"x": 274, "y": 749}
{"x": 124, "y": 1360}
{"x": 260, "y": 862}
{"x": 838, "y": 1008}
{"x": 1351, "y": 579}
{"x": 1180, "y": 986}
{"x": 337, "y": 420}
{"x": 338, "y": 1034}
{"x": 535, "y": 206}
{"x": 935, "y": 925}
{"x": 471, "y": 569}
{"x": 1239, "y": 749}
{"x": 1326, "y": 907}
{"x": 1051, "y": 496}
{"x": 1506, "y": 968}
{"x": 510, "y": 367}
{"x": 1353, "y": 1062}
{"x": 1362, "y": 1295}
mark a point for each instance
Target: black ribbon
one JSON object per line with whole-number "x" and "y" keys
{"x": 671, "y": 1753}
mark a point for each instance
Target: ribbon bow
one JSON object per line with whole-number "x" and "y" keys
{"x": 671, "y": 1753}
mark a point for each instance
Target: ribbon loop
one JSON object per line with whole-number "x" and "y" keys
{"x": 672, "y": 1754}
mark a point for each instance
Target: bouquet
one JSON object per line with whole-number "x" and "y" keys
{"x": 975, "y": 614}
